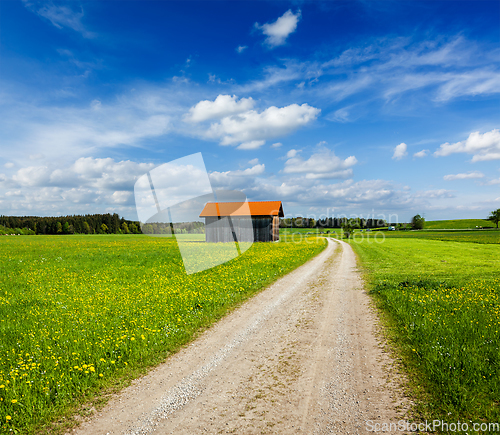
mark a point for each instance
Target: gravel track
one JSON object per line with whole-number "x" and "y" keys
{"x": 300, "y": 357}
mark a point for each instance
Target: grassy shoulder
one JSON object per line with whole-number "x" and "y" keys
{"x": 81, "y": 315}
{"x": 442, "y": 300}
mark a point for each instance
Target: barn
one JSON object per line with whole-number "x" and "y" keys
{"x": 256, "y": 221}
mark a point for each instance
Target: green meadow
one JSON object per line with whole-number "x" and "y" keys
{"x": 458, "y": 224}
{"x": 441, "y": 305}
{"x": 298, "y": 234}
{"x": 80, "y": 315}
{"x": 477, "y": 236}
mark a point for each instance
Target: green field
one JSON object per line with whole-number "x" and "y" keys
{"x": 295, "y": 234}
{"x": 479, "y": 236}
{"x": 306, "y": 230}
{"x": 458, "y": 224}
{"x": 79, "y": 313}
{"x": 442, "y": 300}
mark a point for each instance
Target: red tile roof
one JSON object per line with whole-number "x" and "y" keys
{"x": 255, "y": 208}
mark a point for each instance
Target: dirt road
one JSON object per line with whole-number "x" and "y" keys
{"x": 300, "y": 357}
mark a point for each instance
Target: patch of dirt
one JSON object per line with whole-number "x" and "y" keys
{"x": 300, "y": 357}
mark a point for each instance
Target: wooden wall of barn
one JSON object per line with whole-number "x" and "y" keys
{"x": 257, "y": 228}
{"x": 262, "y": 228}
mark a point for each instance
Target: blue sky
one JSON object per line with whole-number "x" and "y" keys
{"x": 336, "y": 107}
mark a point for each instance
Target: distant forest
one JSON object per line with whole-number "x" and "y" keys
{"x": 177, "y": 228}
{"x": 113, "y": 224}
{"x": 87, "y": 224}
{"x": 301, "y": 222}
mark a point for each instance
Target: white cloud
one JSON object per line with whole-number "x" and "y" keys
{"x": 236, "y": 179}
{"x": 400, "y": 151}
{"x": 421, "y": 154}
{"x": 469, "y": 207}
{"x": 13, "y": 193}
{"x": 253, "y": 171}
{"x": 276, "y": 145}
{"x": 121, "y": 197}
{"x": 60, "y": 16}
{"x": 38, "y": 156}
{"x": 251, "y": 145}
{"x": 71, "y": 132}
{"x": 90, "y": 135}
{"x": 180, "y": 79}
{"x": 467, "y": 176}
{"x": 493, "y": 182}
{"x": 253, "y": 126}
{"x": 439, "y": 70}
{"x": 75, "y": 195}
{"x": 88, "y": 185}
{"x": 343, "y": 89}
{"x": 95, "y": 104}
{"x": 253, "y": 162}
{"x": 275, "y": 76}
{"x": 278, "y": 31}
{"x": 9, "y": 165}
{"x": 241, "y": 48}
{"x": 102, "y": 174}
{"x": 32, "y": 176}
{"x": 53, "y": 201}
{"x": 292, "y": 153}
{"x": 436, "y": 193}
{"x": 212, "y": 78}
{"x": 324, "y": 164}
{"x": 483, "y": 146}
{"x": 224, "y": 105}
{"x": 362, "y": 198}
{"x": 475, "y": 82}
{"x": 340, "y": 115}
{"x": 343, "y": 195}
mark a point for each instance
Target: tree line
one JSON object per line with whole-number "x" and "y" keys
{"x": 177, "y": 228}
{"x": 113, "y": 224}
{"x": 76, "y": 224}
{"x": 333, "y": 222}
{"x": 91, "y": 224}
